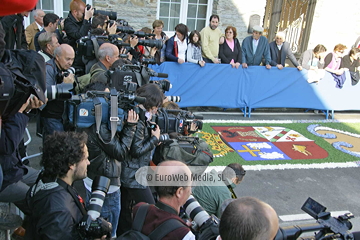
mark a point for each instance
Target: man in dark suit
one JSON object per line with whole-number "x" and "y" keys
{"x": 279, "y": 50}
{"x": 34, "y": 28}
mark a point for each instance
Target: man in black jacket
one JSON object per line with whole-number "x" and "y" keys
{"x": 14, "y": 31}
{"x": 56, "y": 208}
{"x": 106, "y": 154}
{"x": 77, "y": 25}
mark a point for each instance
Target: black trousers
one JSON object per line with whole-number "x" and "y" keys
{"x": 129, "y": 198}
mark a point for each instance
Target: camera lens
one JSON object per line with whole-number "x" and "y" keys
{"x": 99, "y": 188}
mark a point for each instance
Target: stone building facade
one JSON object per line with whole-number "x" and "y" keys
{"x": 333, "y": 22}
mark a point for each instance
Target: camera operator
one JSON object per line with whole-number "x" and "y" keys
{"x": 248, "y": 218}
{"x": 108, "y": 54}
{"x": 108, "y": 156}
{"x": 48, "y": 43}
{"x": 145, "y": 140}
{"x": 56, "y": 71}
{"x": 212, "y": 197}
{"x": 56, "y": 208}
{"x": 50, "y": 25}
{"x": 77, "y": 25}
{"x": 171, "y": 198}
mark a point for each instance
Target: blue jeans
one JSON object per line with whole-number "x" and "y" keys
{"x": 50, "y": 125}
{"x": 110, "y": 209}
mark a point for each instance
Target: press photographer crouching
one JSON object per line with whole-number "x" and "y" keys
{"x": 58, "y": 70}
{"x": 146, "y": 138}
{"x": 171, "y": 199}
{"x": 56, "y": 207}
{"x": 105, "y": 154}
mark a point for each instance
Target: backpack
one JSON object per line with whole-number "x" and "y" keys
{"x": 157, "y": 234}
{"x": 7, "y": 87}
{"x": 28, "y": 77}
{"x": 192, "y": 151}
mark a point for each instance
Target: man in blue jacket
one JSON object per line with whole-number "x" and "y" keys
{"x": 254, "y": 48}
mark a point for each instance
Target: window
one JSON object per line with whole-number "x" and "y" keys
{"x": 193, "y": 13}
{"x": 61, "y": 8}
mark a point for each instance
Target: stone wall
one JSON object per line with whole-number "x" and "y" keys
{"x": 139, "y": 13}
{"x": 237, "y": 13}
{"x": 335, "y": 22}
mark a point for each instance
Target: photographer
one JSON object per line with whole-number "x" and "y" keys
{"x": 212, "y": 197}
{"x": 100, "y": 26}
{"x": 56, "y": 73}
{"x": 56, "y": 208}
{"x": 48, "y": 43}
{"x": 171, "y": 198}
{"x": 108, "y": 54}
{"x": 145, "y": 140}
{"x": 77, "y": 25}
{"x": 50, "y": 25}
{"x": 248, "y": 218}
{"x": 106, "y": 153}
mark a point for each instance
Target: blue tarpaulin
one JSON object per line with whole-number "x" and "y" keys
{"x": 219, "y": 85}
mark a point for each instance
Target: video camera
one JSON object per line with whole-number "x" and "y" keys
{"x": 112, "y": 15}
{"x": 328, "y": 227}
{"x": 84, "y": 110}
{"x": 136, "y": 73}
{"x": 86, "y": 44}
{"x": 93, "y": 226}
{"x": 176, "y": 120}
{"x": 206, "y": 225}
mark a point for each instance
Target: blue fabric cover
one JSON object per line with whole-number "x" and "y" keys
{"x": 219, "y": 85}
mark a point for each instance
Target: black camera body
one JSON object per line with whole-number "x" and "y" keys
{"x": 206, "y": 225}
{"x": 328, "y": 227}
{"x": 112, "y": 15}
{"x": 176, "y": 120}
{"x": 90, "y": 229}
{"x": 92, "y": 226}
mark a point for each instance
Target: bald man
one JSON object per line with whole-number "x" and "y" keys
{"x": 172, "y": 195}
{"x": 248, "y": 218}
{"x": 108, "y": 54}
{"x": 56, "y": 73}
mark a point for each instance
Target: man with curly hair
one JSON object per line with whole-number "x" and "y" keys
{"x": 56, "y": 208}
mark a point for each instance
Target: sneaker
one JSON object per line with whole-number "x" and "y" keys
{"x": 10, "y": 221}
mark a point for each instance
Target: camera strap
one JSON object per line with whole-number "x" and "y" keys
{"x": 96, "y": 48}
{"x": 73, "y": 194}
{"x": 114, "y": 118}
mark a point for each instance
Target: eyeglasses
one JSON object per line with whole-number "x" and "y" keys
{"x": 341, "y": 51}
